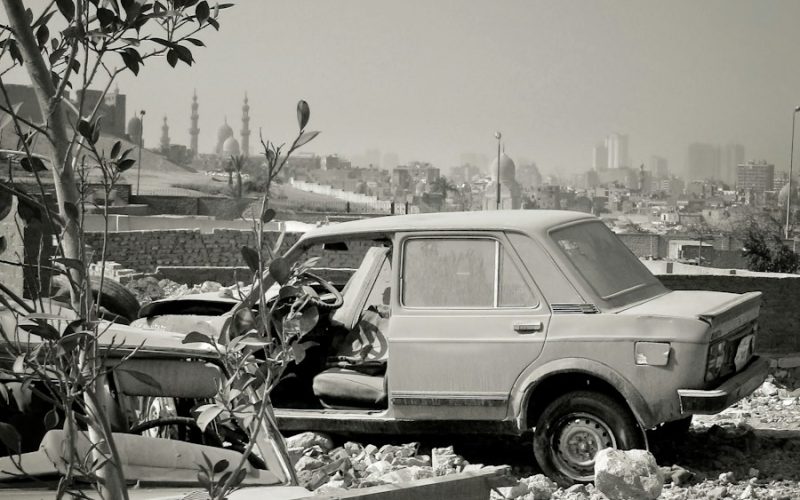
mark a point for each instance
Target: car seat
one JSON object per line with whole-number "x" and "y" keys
{"x": 355, "y": 377}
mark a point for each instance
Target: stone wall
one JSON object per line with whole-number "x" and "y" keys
{"x": 220, "y": 207}
{"x": 780, "y": 317}
{"x": 144, "y": 251}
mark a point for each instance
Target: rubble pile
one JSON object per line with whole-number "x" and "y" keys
{"x": 327, "y": 469}
{"x": 149, "y": 289}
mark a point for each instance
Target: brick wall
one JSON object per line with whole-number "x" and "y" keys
{"x": 780, "y": 316}
{"x": 146, "y": 250}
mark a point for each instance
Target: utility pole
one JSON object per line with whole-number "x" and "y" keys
{"x": 498, "y": 135}
{"x": 791, "y": 161}
{"x": 141, "y": 145}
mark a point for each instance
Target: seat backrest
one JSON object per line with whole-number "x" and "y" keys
{"x": 173, "y": 378}
{"x": 358, "y": 288}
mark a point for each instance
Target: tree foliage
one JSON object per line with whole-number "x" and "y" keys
{"x": 766, "y": 251}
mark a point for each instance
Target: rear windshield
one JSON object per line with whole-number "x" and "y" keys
{"x": 609, "y": 267}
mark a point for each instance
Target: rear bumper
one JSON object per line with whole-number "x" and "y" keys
{"x": 708, "y": 402}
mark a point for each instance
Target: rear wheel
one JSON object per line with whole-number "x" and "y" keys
{"x": 574, "y": 427}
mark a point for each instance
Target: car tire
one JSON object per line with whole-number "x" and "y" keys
{"x": 115, "y": 299}
{"x": 574, "y": 427}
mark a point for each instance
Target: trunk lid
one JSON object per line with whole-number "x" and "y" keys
{"x": 724, "y": 312}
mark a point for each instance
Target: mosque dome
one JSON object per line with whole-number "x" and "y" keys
{"x": 508, "y": 170}
{"x": 225, "y": 131}
{"x": 134, "y": 127}
{"x": 230, "y": 147}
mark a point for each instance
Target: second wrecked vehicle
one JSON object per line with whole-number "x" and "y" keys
{"x": 502, "y": 323}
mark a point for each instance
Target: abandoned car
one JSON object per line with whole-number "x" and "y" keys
{"x": 501, "y": 322}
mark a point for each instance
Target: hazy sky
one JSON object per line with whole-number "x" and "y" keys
{"x": 432, "y": 79}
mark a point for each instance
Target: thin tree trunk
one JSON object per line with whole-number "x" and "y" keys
{"x": 55, "y": 120}
{"x": 112, "y": 483}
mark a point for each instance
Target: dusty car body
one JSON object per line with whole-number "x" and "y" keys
{"x": 165, "y": 464}
{"x": 504, "y": 322}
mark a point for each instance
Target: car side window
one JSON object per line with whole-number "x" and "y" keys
{"x": 449, "y": 272}
{"x": 461, "y": 273}
{"x": 514, "y": 292}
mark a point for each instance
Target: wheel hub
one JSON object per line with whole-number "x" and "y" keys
{"x": 577, "y": 440}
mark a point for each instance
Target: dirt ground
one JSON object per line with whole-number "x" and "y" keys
{"x": 752, "y": 450}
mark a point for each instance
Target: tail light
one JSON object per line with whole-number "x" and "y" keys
{"x": 716, "y": 360}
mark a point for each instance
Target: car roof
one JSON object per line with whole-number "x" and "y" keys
{"x": 519, "y": 220}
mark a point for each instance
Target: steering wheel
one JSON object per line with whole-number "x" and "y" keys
{"x": 333, "y": 293}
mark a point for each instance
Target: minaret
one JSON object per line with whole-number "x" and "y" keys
{"x": 165, "y": 136}
{"x": 245, "y": 146}
{"x": 194, "y": 131}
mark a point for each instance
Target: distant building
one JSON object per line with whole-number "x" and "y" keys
{"x": 658, "y": 167}
{"x": 528, "y": 176}
{"x": 304, "y": 161}
{"x": 510, "y": 190}
{"x": 732, "y": 157}
{"x": 600, "y": 157}
{"x": 702, "y": 162}
{"x": 617, "y": 147}
{"x": 755, "y": 177}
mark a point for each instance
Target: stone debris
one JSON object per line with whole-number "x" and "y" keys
{"x": 628, "y": 475}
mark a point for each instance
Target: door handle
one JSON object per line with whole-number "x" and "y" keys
{"x": 535, "y": 326}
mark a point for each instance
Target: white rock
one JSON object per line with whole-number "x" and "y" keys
{"x": 308, "y": 439}
{"x": 628, "y": 475}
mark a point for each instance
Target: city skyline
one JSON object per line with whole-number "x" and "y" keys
{"x": 553, "y": 77}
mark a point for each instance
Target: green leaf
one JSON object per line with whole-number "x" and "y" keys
{"x": 51, "y": 419}
{"x": 42, "y": 329}
{"x": 71, "y": 210}
{"x": 279, "y": 270}
{"x": 207, "y": 416}
{"x": 32, "y": 164}
{"x": 42, "y": 35}
{"x": 10, "y": 437}
{"x": 67, "y": 8}
{"x": 125, "y": 164}
{"x": 195, "y": 42}
{"x": 306, "y": 137}
{"x": 202, "y": 11}
{"x": 85, "y": 129}
{"x": 4, "y": 393}
{"x": 115, "y": 149}
{"x": 268, "y": 215}
{"x": 19, "y": 364}
{"x": 250, "y": 257}
{"x": 96, "y": 130}
{"x": 221, "y": 466}
{"x": 184, "y": 54}
{"x": 172, "y": 57}
{"x": 106, "y": 17}
{"x": 131, "y": 60}
{"x": 196, "y": 338}
{"x": 303, "y": 113}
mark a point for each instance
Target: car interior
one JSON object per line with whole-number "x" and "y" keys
{"x": 347, "y": 369}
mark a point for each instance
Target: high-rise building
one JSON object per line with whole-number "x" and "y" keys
{"x": 732, "y": 157}
{"x": 600, "y": 157}
{"x": 658, "y": 167}
{"x": 702, "y": 162}
{"x": 617, "y": 147}
{"x": 755, "y": 177}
